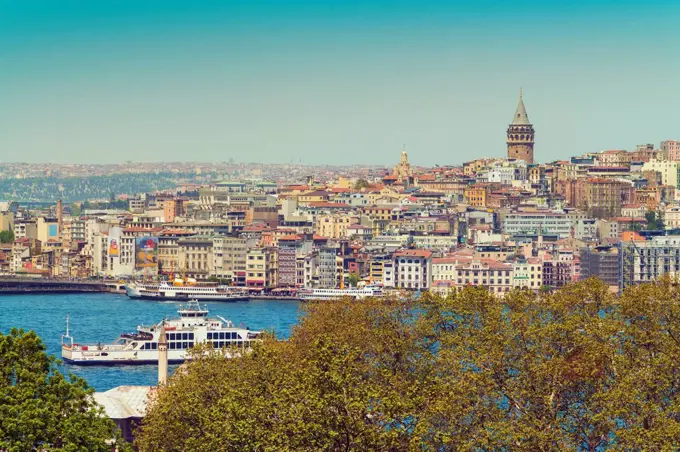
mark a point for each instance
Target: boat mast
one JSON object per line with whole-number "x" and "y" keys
{"x": 67, "y": 335}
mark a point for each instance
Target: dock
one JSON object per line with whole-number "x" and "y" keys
{"x": 23, "y": 286}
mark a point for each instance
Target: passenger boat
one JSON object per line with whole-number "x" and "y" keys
{"x": 141, "y": 347}
{"x": 184, "y": 292}
{"x": 333, "y": 294}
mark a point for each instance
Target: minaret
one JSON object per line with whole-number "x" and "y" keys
{"x": 521, "y": 135}
{"x": 162, "y": 356}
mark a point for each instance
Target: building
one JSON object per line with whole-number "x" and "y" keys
{"x": 328, "y": 267}
{"x": 261, "y": 268}
{"x": 335, "y": 226}
{"x": 495, "y": 276}
{"x": 669, "y": 171}
{"x": 196, "y": 256}
{"x": 605, "y": 197}
{"x": 520, "y": 135}
{"x": 413, "y": 269}
{"x": 670, "y": 149}
{"x": 601, "y": 262}
{"x": 286, "y": 260}
{"x": 557, "y": 272}
{"x": 549, "y": 223}
{"x": 403, "y": 171}
{"x": 229, "y": 254}
{"x": 645, "y": 259}
{"x": 527, "y": 274}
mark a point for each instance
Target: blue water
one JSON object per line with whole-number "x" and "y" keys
{"x": 102, "y": 317}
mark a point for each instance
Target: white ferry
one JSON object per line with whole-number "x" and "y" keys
{"x": 180, "y": 292}
{"x": 333, "y": 294}
{"x": 141, "y": 347}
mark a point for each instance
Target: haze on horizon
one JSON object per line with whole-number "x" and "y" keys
{"x": 331, "y": 82}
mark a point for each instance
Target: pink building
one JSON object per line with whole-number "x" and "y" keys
{"x": 671, "y": 150}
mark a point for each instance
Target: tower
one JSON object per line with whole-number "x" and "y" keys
{"x": 521, "y": 135}
{"x": 162, "y": 356}
{"x": 60, "y": 216}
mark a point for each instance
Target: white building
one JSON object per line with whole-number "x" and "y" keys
{"x": 413, "y": 269}
{"x": 669, "y": 171}
{"x": 532, "y": 222}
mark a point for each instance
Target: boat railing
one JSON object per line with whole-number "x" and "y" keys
{"x": 140, "y": 336}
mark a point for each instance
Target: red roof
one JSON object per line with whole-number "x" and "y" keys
{"x": 414, "y": 253}
{"x": 338, "y": 205}
{"x": 140, "y": 229}
{"x": 291, "y": 237}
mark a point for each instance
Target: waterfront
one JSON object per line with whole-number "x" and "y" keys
{"x": 101, "y": 317}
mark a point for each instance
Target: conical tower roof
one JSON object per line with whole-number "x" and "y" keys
{"x": 521, "y": 118}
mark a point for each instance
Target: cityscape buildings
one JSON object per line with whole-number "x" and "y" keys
{"x": 501, "y": 223}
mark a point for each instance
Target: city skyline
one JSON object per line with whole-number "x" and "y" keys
{"x": 334, "y": 83}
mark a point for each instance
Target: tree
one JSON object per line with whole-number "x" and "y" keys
{"x": 6, "y": 236}
{"x": 361, "y": 183}
{"x": 654, "y": 220}
{"x": 40, "y": 409}
{"x": 353, "y": 279}
{"x": 575, "y": 369}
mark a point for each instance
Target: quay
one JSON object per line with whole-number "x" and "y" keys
{"x": 22, "y": 286}
{"x": 19, "y": 286}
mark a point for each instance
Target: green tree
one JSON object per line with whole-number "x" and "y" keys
{"x": 575, "y": 369}
{"x": 654, "y": 220}
{"x": 6, "y": 236}
{"x": 361, "y": 183}
{"x": 353, "y": 279}
{"x": 40, "y": 409}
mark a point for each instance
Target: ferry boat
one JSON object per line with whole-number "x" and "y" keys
{"x": 141, "y": 347}
{"x": 334, "y": 294}
{"x": 180, "y": 292}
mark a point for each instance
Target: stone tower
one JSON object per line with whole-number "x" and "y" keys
{"x": 162, "y": 356}
{"x": 521, "y": 135}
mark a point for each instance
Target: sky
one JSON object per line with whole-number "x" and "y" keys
{"x": 332, "y": 82}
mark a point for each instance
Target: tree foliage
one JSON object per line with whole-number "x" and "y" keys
{"x": 654, "y": 220}
{"x": 577, "y": 369}
{"x": 42, "y": 410}
{"x": 6, "y": 236}
{"x": 361, "y": 183}
{"x": 353, "y": 279}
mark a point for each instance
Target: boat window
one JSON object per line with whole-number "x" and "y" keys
{"x": 186, "y": 344}
{"x": 185, "y": 336}
{"x": 171, "y": 346}
{"x": 209, "y": 335}
{"x": 191, "y": 344}
{"x": 216, "y": 345}
{"x": 191, "y": 336}
{"x": 154, "y": 346}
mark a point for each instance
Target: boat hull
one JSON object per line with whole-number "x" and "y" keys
{"x": 161, "y": 297}
{"x": 119, "y": 362}
{"x": 139, "y": 293}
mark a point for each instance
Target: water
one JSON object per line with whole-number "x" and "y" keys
{"x": 102, "y": 317}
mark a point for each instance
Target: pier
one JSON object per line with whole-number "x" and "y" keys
{"x": 15, "y": 286}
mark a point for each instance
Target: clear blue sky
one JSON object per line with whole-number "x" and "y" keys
{"x": 331, "y": 82}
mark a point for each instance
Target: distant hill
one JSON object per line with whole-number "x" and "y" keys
{"x": 70, "y": 189}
